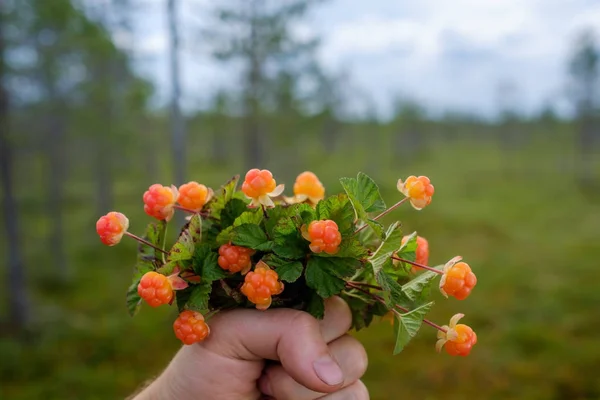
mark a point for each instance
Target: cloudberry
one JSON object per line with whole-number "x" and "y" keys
{"x": 159, "y": 201}
{"x": 190, "y": 327}
{"x": 324, "y": 236}
{"x": 235, "y": 258}
{"x": 260, "y": 284}
{"x": 308, "y": 186}
{"x": 421, "y": 253}
{"x": 458, "y": 339}
{"x": 111, "y": 227}
{"x": 193, "y": 195}
{"x": 458, "y": 280}
{"x": 418, "y": 189}
{"x": 156, "y": 289}
{"x": 259, "y": 186}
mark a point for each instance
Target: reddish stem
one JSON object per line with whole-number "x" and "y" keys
{"x": 437, "y": 271}
{"x": 382, "y": 301}
{"x": 392, "y": 208}
{"x": 187, "y": 210}
{"x": 144, "y": 241}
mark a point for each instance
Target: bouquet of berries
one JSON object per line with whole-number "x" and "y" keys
{"x": 259, "y": 248}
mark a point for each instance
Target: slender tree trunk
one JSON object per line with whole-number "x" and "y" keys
{"x": 178, "y": 134}
{"x": 16, "y": 288}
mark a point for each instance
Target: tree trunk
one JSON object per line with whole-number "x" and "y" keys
{"x": 16, "y": 290}
{"x": 178, "y": 134}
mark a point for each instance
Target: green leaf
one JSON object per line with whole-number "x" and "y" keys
{"x": 392, "y": 288}
{"x": 206, "y": 264}
{"x": 224, "y": 195}
{"x": 251, "y": 236}
{"x": 141, "y": 267}
{"x": 288, "y": 271}
{"x": 360, "y": 309}
{"x": 198, "y": 300}
{"x": 350, "y": 247}
{"x": 365, "y": 191}
{"x": 182, "y": 297}
{"x": 338, "y": 209}
{"x": 415, "y": 287}
{"x": 233, "y": 209}
{"x": 168, "y": 268}
{"x": 408, "y": 250}
{"x": 287, "y": 239}
{"x": 316, "y": 306}
{"x": 390, "y": 244}
{"x": 195, "y": 228}
{"x": 247, "y": 217}
{"x": 155, "y": 234}
{"x": 325, "y": 275}
{"x": 134, "y": 301}
{"x": 407, "y": 325}
{"x": 183, "y": 248}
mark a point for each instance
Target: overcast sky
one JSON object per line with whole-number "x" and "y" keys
{"x": 447, "y": 54}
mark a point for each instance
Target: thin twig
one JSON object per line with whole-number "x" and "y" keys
{"x": 437, "y": 271}
{"x": 144, "y": 241}
{"x": 392, "y": 208}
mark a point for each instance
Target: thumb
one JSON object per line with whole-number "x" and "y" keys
{"x": 291, "y": 337}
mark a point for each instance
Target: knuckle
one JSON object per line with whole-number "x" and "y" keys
{"x": 302, "y": 321}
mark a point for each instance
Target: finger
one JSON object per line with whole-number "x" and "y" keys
{"x": 348, "y": 352}
{"x": 356, "y": 391}
{"x": 337, "y": 320}
{"x": 290, "y": 336}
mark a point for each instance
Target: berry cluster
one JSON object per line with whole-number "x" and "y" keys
{"x": 215, "y": 263}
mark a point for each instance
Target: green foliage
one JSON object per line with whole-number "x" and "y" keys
{"x": 134, "y": 300}
{"x": 408, "y": 324}
{"x": 288, "y": 271}
{"x": 326, "y": 275}
{"x": 364, "y": 195}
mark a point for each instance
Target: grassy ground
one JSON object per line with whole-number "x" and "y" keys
{"x": 530, "y": 234}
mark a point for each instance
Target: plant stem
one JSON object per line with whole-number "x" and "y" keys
{"x": 392, "y": 208}
{"x": 144, "y": 241}
{"x": 187, "y": 210}
{"x": 365, "y": 285}
{"x": 437, "y": 271}
{"x": 382, "y": 301}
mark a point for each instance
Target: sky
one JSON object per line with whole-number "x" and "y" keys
{"x": 470, "y": 56}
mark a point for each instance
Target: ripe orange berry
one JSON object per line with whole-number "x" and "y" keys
{"x": 324, "y": 236}
{"x": 193, "y": 195}
{"x": 111, "y": 227}
{"x": 260, "y": 284}
{"x": 159, "y": 201}
{"x": 458, "y": 339}
{"x": 418, "y": 189}
{"x": 235, "y": 258}
{"x": 260, "y": 186}
{"x": 458, "y": 280}
{"x": 190, "y": 327}
{"x": 156, "y": 289}
{"x": 465, "y": 340}
{"x": 308, "y": 186}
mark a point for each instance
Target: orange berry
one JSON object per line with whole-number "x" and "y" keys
{"x": 324, "y": 236}
{"x": 260, "y": 284}
{"x": 235, "y": 258}
{"x": 155, "y": 289}
{"x": 418, "y": 189}
{"x": 465, "y": 340}
{"x": 260, "y": 186}
{"x": 111, "y": 227}
{"x": 159, "y": 201}
{"x": 458, "y": 280}
{"x": 193, "y": 195}
{"x": 190, "y": 327}
{"x": 308, "y": 186}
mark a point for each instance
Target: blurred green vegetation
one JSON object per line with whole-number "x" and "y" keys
{"x": 517, "y": 217}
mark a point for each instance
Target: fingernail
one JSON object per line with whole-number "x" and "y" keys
{"x": 328, "y": 371}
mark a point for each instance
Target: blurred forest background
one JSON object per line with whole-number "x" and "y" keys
{"x": 80, "y": 134}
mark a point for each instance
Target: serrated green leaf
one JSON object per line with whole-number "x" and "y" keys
{"x": 316, "y": 306}
{"x": 134, "y": 301}
{"x": 350, "y": 247}
{"x": 360, "y": 309}
{"x": 195, "y": 228}
{"x": 183, "y": 249}
{"x": 247, "y": 217}
{"x": 223, "y": 196}
{"x": 407, "y": 325}
{"x": 232, "y": 210}
{"x": 365, "y": 191}
{"x": 206, "y": 264}
{"x": 339, "y": 209}
{"x": 251, "y": 236}
{"x": 155, "y": 234}
{"x": 392, "y": 288}
{"x": 408, "y": 250}
{"x": 390, "y": 244}
{"x": 168, "y": 268}
{"x": 141, "y": 267}
{"x": 288, "y": 271}
{"x": 325, "y": 275}
{"x": 287, "y": 239}
{"x": 182, "y": 297}
{"x": 198, "y": 300}
{"x": 415, "y": 287}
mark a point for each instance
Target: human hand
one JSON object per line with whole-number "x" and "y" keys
{"x": 314, "y": 359}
